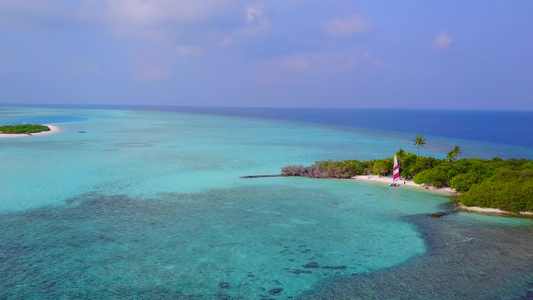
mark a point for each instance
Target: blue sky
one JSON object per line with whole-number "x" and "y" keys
{"x": 272, "y": 53}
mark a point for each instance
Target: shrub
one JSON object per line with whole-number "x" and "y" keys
{"x": 382, "y": 167}
{"x": 463, "y": 182}
{"x": 294, "y": 170}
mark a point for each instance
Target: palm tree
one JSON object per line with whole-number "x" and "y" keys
{"x": 456, "y": 151}
{"x": 400, "y": 155}
{"x": 450, "y": 156}
{"x": 419, "y": 141}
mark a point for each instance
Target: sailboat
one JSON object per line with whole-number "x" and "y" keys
{"x": 395, "y": 173}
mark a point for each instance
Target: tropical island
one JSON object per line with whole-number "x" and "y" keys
{"x": 21, "y": 130}
{"x": 501, "y": 184}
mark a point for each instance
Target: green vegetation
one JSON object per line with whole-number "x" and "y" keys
{"x": 25, "y": 129}
{"x": 508, "y": 189}
{"x": 497, "y": 183}
{"x": 410, "y": 165}
{"x": 331, "y": 169}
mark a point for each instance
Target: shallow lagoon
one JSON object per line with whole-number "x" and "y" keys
{"x": 151, "y": 204}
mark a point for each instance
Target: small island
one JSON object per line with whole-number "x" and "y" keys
{"x": 496, "y": 185}
{"x": 21, "y": 130}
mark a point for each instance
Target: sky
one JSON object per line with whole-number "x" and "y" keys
{"x": 455, "y": 54}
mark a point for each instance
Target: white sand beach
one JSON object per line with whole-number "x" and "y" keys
{"x": 493, "y": 211}
{"x": 53, "y": 130}
{"x": 404, "y": 183}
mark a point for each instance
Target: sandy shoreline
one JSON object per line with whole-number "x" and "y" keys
{"x": 405, "y": 183}
{"x": 443, "y": 191}
{"x": 53, "y": 130}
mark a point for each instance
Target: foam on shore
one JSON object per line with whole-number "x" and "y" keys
{"x": 53, "y": 130}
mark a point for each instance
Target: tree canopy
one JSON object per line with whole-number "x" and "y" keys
{"x": 23, "y": 129}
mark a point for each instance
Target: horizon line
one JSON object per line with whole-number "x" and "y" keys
{"x": 250, "y": 107}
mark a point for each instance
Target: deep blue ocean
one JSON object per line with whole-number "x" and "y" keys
{"x": 505, "y": 127}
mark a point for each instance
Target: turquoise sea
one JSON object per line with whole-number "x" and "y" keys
{"x": 150, "y": 204}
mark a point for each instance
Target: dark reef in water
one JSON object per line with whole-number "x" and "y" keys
{"x": 465, "y": 260}
{"x": 312, "y": 264}
{"x": 437, "y": 215}
{"x": 69, "y": 251}
{"x": 301, "y": 272}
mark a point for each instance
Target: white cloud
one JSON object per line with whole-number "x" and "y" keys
{"x": 255, "y": 21}
{"x": 443, "y": 40}
{"x": 137, "y": 11}
{"x": 253, "y": 13}
{"x": 152, "y": 20}
{"x": 143, "y": 12}
{"x": 347, "y": 26}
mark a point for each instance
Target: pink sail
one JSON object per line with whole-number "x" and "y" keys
{"x": 396, "y": 172}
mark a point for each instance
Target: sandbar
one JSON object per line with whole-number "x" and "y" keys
{"x": 53, "y": 130}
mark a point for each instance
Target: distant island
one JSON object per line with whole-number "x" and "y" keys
{"x": 27, "y": 130}
{"x": 23, "y": 129}
{"x": 501, "y": 184}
